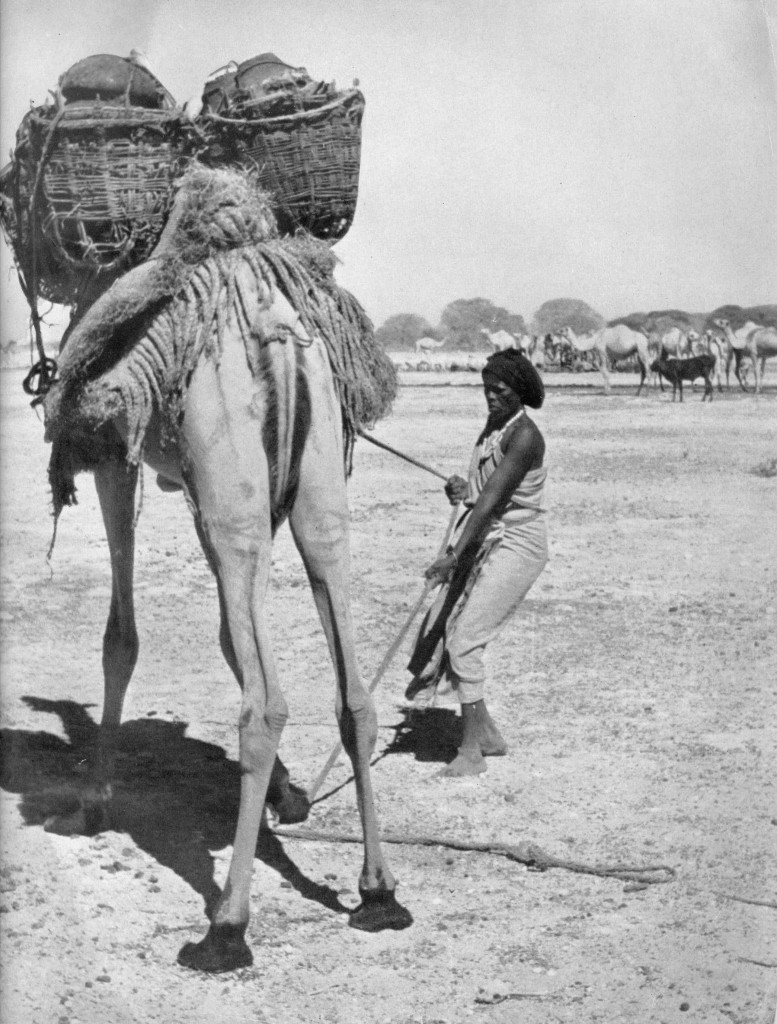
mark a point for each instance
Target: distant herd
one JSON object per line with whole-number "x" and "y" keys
{"x": 673, "y": 354}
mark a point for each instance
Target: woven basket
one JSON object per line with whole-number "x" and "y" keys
{"x": 106, "y": 178}
{"x": 308, "y": 160}
{"x": 53, "y": 281}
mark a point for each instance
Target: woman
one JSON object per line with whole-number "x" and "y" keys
{"x": 500, "y": 548}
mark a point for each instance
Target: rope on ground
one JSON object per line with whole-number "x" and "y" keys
{"x": 746, "y": 899}
{"x": 525, "y": 852}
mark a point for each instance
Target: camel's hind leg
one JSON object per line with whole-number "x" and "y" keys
{"x": 320, "y": 523}
{"x": 320, "y": 530}
{"x": 604, "y": 370}
{"x": 115, "y": 481}
{"x": 758, "y": 370}
{"x": 227, "y": 476}
{"x": 643, "y": 372}
{"x": 289, "y": 802}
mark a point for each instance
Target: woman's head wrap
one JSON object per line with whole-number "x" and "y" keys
{"x": 516, "y": 371}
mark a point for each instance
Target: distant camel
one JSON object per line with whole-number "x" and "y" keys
{"x": 8, "y": 350}
{"x": 618, "y": 342}
{"x": 744, "y": 340}
{"x": 428, "y": 345}
{"x": 536, "y": 351}
{"x": 764, "y": 340}
{"x": 500, "y": 340}
{"x": 714, "y": 345}
{"x": 671, "y": 342}
{"x": 525, "y": 343}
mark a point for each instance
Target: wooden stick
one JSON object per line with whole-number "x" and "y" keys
{"x": 402, "y": 455}
{"x": 387, "y": 658}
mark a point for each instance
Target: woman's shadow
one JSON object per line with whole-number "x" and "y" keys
{"x": 177, "y": 797}
{"x": 429, "y": 734}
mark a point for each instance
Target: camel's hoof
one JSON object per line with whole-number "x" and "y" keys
{"x": 293, "y": 806}
{"x": 379, "y": 911}
{"x": 223, "y": 949}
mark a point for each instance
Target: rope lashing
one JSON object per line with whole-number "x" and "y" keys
{"x": 387, "y": 658}
{"x": 40, "y": 378}
{"x": 525, "y": 852}
{"x": 402, "y": 455}
{"x": 43, "y": 374}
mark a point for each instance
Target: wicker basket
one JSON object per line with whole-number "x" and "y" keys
{"x": 308, "y": 159}
{"x": 51, "y": 279}
{"x": 105, "y": 187}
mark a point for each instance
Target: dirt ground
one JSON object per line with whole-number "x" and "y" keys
{"x": 636, "y": 691}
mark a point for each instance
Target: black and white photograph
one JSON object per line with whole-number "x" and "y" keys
{"x": 388, "y": 512}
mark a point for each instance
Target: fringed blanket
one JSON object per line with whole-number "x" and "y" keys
{"x": 133, "y": 350}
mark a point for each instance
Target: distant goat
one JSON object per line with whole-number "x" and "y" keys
{"x": 678, "y": 370}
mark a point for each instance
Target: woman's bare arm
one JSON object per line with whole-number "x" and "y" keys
{"x": 524, "y": 450}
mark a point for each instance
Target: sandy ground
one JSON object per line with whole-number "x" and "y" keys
{"x": 636, "y": 691}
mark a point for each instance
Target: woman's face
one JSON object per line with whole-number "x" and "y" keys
{"x": 501, "y": 400}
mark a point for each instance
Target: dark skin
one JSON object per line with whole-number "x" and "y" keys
{"x": 523, "y": 449}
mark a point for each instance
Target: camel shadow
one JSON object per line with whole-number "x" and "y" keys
{"x": 429, "y": 734}
{"x": 176, "y": 796}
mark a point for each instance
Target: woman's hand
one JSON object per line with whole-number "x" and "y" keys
{"x": 442, "y": 570}
{"x": 456, "y": 489}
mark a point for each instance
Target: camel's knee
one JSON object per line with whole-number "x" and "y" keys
{"x": 120, "y": 644}
{"x": 324, "y": 546}
{"x": 358, "y": 722}
{"x": 260, "y": 733}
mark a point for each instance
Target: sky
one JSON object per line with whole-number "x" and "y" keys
{"x": 616, "y": 151}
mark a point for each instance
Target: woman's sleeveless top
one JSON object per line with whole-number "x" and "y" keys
{"x": 526, "y": 500}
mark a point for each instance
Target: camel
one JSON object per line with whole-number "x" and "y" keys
{"x": 672, "y": 343}
{"x": 8, "y": 350}
{"x": 742, "y": 341}
{"x": 499, "y": 340}
{"x": 428, "y": 345}
{"x": 712, "y": 344}
{"x": 536, "y": 351}
{"x": 764, "y": 340}
{"x": 257, "y": 437}
{"x": 614, "y": 343}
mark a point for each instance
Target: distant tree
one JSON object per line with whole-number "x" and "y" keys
{"x": 698, "y": 322}
{"x": 558, "y": 313}
{"x": 636, "y": 321}
{"x": 462, "y": 321}
{"x": 739, "y": 315}
{"x": 659, "y": 321}
{"x": 766, "y": 315}
{"x": 400, "y": 333}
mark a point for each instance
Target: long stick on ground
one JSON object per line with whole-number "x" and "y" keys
{"x": 402, "y": 455}
{"x": 387, "y": 658}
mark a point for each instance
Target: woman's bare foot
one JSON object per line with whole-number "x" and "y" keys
{"x": 479, "y": 730}
{"x": 492, "y": 743}
{"x": 468, "y": 761}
